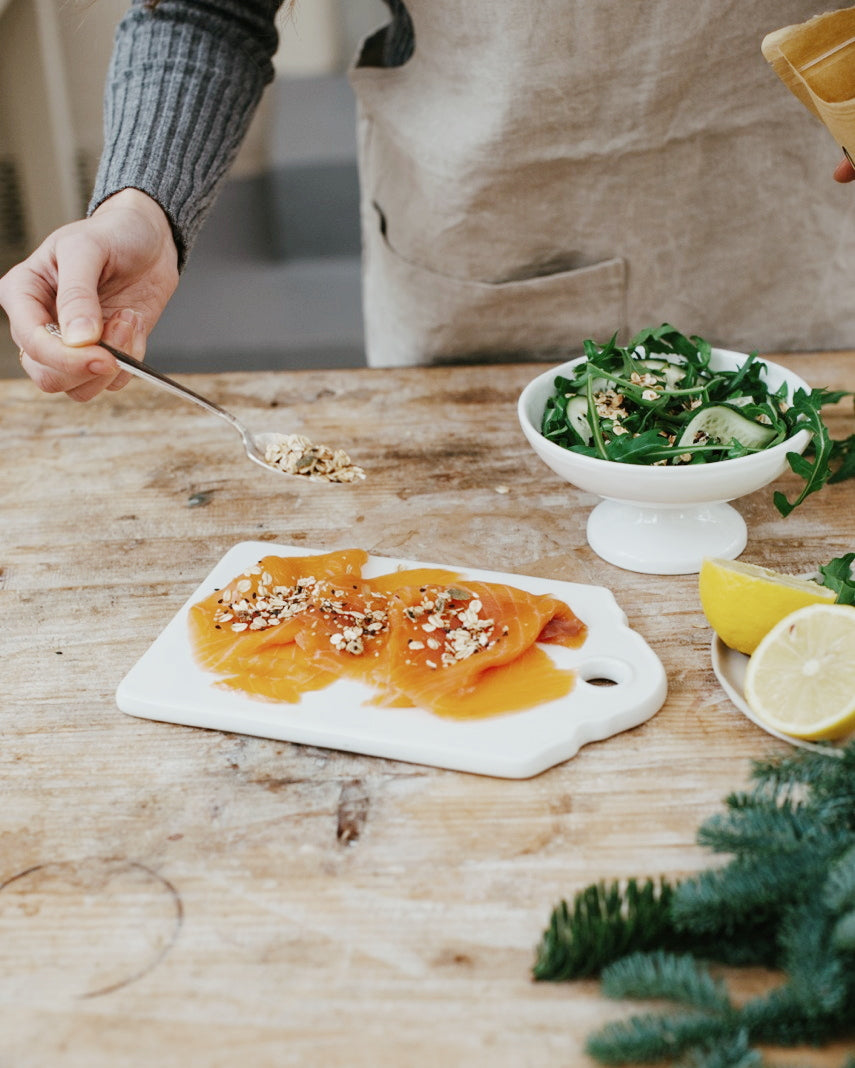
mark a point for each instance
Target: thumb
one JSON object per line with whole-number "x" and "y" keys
{"x": 79, "y": 265}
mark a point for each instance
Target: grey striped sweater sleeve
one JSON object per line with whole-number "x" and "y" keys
{"x": 184, "y": 80}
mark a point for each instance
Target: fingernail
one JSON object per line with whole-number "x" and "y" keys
{"x": 121, "y": 333}
{"x": 79, "y": 332}
{"x": 99, "y": 367}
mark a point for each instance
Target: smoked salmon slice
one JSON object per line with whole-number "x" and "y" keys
{"x": 423, "y": 637}
{"x": 263, "y": 609}
{"x": 349, "y": 635}
{"x": 446, "y": 641}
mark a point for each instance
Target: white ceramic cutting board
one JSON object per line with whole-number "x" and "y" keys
{"x": 165, "y": 684}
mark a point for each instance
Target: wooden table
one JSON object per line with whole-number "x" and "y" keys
{"x": 175, "y": 896}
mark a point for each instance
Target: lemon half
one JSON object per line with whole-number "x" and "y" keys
{"x": 743, "y": 602}
{"x": 801, "y": 678}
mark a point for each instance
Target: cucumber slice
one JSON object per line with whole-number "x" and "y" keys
{"x": 577, "y": 417}
{"x": 579, "y": 386}
{"x": 721, "y": 424}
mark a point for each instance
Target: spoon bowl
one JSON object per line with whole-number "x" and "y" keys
{"x": 321, "y": 464}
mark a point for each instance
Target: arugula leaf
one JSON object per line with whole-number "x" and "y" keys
{"x": 837, "y": 575}
{"x": 844, "y": 451}
{"x": 743, "y": 373}
{"x": 641, "y": 448}
{"x": 804, "y": 414}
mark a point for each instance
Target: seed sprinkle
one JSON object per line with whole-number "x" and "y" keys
{"x": 452, "y": 619}
{"x": 455, "y": 624}
{"x": 297, "y": 455}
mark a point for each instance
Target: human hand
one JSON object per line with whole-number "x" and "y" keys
{"x": 844, "y": 171}
{"x": 109, "y": 276}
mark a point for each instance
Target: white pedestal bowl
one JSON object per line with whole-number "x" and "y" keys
{"x": 662, "y": 520}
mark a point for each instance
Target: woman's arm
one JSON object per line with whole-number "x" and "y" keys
{"x": 184, "y": 81}
{"x": 185, "y": 78}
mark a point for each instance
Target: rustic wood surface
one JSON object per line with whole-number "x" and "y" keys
{"x": 176, "y": 896}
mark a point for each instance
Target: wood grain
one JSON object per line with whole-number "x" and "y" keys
{"x": 179, "y": 896}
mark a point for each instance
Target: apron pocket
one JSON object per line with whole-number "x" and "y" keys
{"x": 417, "y": 316}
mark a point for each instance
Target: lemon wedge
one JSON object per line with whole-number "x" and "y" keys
{"x": 743, "y": 602}
{"x": 801, "y": 678}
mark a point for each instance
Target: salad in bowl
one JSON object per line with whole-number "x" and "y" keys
{"x": 667, "y": 429}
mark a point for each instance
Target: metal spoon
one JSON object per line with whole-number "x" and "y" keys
{"x": 255, "y": 444}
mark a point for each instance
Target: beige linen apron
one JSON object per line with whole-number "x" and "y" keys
{"x": 545, "y": 171}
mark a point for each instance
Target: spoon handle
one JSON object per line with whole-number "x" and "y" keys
{"x": 141, "y": 370}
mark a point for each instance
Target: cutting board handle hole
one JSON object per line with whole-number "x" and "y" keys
{"x": 605, "y": 672}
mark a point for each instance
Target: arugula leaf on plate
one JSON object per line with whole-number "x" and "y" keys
{"x": 837, "y": 575}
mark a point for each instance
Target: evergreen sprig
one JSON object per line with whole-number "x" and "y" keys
{"x": 732, "y": 1052}
{"x": 760, "y": 827}
{"x": 786, "y": 899}
{"x": 604, "y": 924}
{"x": 839, "y": 890}
{"x": 756, "y": 890}
{"x": 677, "y": 977}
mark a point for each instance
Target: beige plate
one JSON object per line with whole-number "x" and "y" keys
{"x": 729, "y": 667}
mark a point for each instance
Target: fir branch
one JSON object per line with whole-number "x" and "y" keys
{"x": 733, "y": 1052}
{"x": 763, "y": 826}
{"x": 817, "y": 975}
{"x": 843, "y": 934}
{"x": 725, "y": 901}
{"x": 838, "y": 892}
{"x": 650, "y": 1038}
{"x": 800, "y": 766}
{"x": 741, "y": 799}
{"x": 828, "y": 774}
{"x": 786, "y": 899}
{"x": 780, "y": 1018}
{"x": 678, "y": 977}
{"x": 605, "y": 923}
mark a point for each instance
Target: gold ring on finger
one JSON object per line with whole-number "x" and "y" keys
{"x": 21, "y": 355}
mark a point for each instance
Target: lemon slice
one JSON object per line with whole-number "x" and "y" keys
{"x": 801, "y": 678}
{"x": 742, "y": 602}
